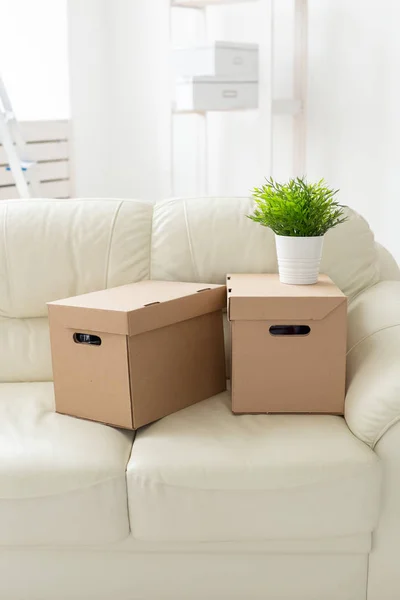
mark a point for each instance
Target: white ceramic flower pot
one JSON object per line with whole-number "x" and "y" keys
{"x": 299, "y": 258}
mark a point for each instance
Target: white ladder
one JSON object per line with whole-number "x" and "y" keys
{"x": 16, "y": 149}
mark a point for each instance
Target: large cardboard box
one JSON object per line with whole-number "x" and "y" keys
{"x": 288, "y": 345}
{"x": 130, "y": 355}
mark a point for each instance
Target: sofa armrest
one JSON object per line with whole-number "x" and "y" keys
{"x": 388, "y": 267}
{"x": 373, "y": 362}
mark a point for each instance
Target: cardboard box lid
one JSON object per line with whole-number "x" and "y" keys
{"x": 254, "y": 297}
{"x": 138, "y": 307}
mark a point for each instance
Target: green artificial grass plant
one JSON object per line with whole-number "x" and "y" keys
{"x": 297, "y": 208}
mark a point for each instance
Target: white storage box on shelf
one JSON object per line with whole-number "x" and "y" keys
{"x": 219, "y": 59}
{"x": 205, "y": 93}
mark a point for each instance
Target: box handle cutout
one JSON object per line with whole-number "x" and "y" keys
{"x": 289, "y": 330}
{"x": 204, "y": 290}
{"x": 229, "y": 94}
{"x": 151, "y": 303}
{"x": 87, "y": 338}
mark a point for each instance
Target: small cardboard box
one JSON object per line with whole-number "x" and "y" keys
{"x": 130, "y": 355}
{"x": 288, "y": 345}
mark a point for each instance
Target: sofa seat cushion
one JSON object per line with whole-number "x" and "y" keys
{"x": 62, "y": 480}
{"x": 204, "y": 474}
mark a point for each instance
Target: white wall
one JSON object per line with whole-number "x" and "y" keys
{"x": 354, "y": 117}
{"x": 34, "y": 57}
{"x": 354, "y": 95}
{"x": 90, "y": 96}
{"x": 120, "y": 97}
{"x": 354, "y": 89}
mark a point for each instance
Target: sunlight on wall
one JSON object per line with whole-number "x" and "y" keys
{"x": 34, "y": 57}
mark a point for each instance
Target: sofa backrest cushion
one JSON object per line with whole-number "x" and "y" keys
{"x": 202, "y": 239}
{"x": 52, "y": 249}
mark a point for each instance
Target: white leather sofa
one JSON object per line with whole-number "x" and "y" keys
{"x": 202, "y": 504}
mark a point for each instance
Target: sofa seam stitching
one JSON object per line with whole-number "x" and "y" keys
{"x": 148, "y": 479}
{"x": 112, "y": 229}
{"x": 393, "y": 326}
{"x": 22, "y": 318}
{"x": 367, "y": 574}
{"x": 66, "y": 492}
{"x": 190, "y": 239}
{"x": 385, "y": 429}
{"x": 8, "y": 272}
{"x": 149, "y": 270}
{"x": 366, "y": 289}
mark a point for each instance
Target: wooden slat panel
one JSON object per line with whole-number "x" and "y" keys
{"x": 45, "y": 131}
{"x": 52, "y": 189}
{"x": 46, "y": 171}
{"x": 47, "y": 142}
{"x": 43, "y": 151}
{"x": 8, "y": 193}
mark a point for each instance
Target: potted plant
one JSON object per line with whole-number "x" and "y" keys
{"x": 299, "y": 213}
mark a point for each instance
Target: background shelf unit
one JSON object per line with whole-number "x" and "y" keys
{"x": 205, "y": 3}
{"x": 280, "y": 107}
{"x": 295, "y": 106}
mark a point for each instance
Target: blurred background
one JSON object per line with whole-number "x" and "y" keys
{"x": 92, "y": 84}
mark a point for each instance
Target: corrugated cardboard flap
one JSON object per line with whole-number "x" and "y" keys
{"x": 139, "y": 307}
{"x": 200, "y": 299}
{"x": 264, "y": 298}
